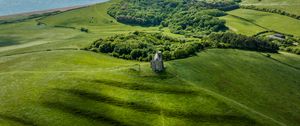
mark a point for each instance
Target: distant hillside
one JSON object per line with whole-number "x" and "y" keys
{"x": 291, "y": 6}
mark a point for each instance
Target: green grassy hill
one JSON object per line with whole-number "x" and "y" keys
{"x": 45, "y": 80}
{"x": 84, "y": 88}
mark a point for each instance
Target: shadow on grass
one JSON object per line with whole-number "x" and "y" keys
{"x": 22, "y": 121}
{"x": 97, "y": 116}
{"x": 148, "y": 88}
{"x": 198, "y": 117}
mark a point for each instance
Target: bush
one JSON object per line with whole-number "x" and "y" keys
{"x": 167, "y": 55}
{"x": 84, "y": 30}
{"x": 180, "y": 53}
{"x": 232, "y": 40}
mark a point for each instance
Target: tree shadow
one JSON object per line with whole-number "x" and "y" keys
{"x": 147, "y": 88}
{"x": 150, "y": 109}
{"x": 97, "y": 116}
{"x": 8, "y": 41}
{"x": 22, "y": 121}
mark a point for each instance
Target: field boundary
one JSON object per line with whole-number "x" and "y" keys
{"x": 283, "y": 63}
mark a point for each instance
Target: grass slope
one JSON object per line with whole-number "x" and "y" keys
{"x": 99, "y": 90}
{"x": 264, "y": 19}
{"x": 261, "y": 83}
{"x": 84, "y": 88}
{"x": 241, "y": 26}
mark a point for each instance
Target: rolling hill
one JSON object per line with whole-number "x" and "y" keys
{"x": 45, "y": 79}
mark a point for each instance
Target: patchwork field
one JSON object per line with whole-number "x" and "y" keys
{"x": 242, "y": 19}
{"x": 46, "y": 80}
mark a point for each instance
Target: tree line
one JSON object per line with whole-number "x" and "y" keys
{"x": 142, "y": 46}
{"x": 238, "y": 41}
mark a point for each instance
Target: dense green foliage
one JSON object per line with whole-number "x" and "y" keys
{"x": 232, "y": 40}
{"x": 181, "y": 16}
{"x": 273, "y": 10}
{"x": 142, "y": 46}
{"x": 196, "y": 22}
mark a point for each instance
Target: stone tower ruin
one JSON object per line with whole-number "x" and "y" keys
{"x": 157, "y": 63}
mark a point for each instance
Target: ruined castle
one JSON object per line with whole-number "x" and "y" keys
{"x": 157, "y": 63}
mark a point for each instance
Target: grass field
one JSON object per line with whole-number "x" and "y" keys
{"x": 45, "y": 80}
{"x": 241, "y": 26}
{"x": 256, "y": 21}
{"x": 291, "y": 6}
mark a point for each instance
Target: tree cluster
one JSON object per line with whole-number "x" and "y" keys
{"x": 272, "y": 10}
{"x": 292, "y": 49}
{"x": 237, "y": 41}
{"x": 168, "y": 13}
{"x": 196, "y": 22}
{"x": 142, "y": 46}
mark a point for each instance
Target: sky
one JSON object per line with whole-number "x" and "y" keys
{"x": 8, "y": 7}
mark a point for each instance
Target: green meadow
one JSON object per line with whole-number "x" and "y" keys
{"x": 242, "y": 26}
{"x": 46, "y": 80}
